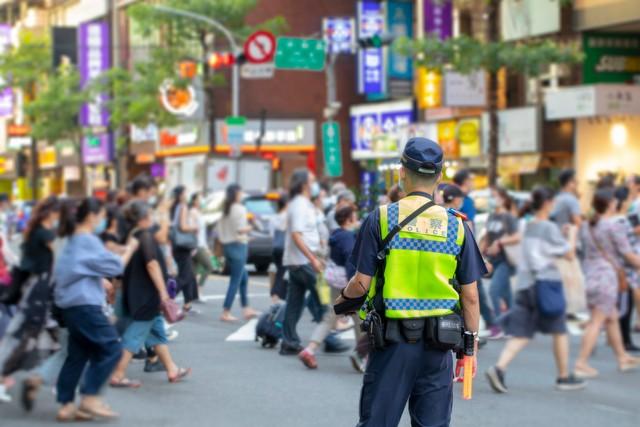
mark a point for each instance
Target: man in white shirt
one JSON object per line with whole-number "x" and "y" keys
{"x": 302, "y": 243}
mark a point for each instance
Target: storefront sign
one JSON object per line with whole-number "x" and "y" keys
{"x": 528, "y": 18}
{"x": 144, "y": 139}
{"x": 47, "y": 157}
{"x": 400, "y": 24}
{"x": 610, "y": 58}
{"x": 14, "y": 129}
{"x": 438, "y": 18}
{"x": 372, "y": 79}
{"x": 376, "y": 128}
{"x": 6, "y": 94}
{"x": 185, "y": 138}
{"x": 591, "y": 101}
{"x": 468, "y": 135}
{"x": 18, "y": 142}
{"x": 518, "y": 130}
{"x": 180, "y": 101}
{"x": 428, "y": 88}
{"x": 93, "y": 60}
{"x": 465, "y": 90}
{"x": 279, "y": 136}
{"x": 339, "y": 34}
{"x": 96, "y": 149}
{"x": 331, "y": 149}
{"x": 8, "y": 166}
{"x": 158, "y": 170}
{"x": 447, "y": 138}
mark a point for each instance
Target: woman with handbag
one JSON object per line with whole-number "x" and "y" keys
{"x": 79, "y": 294}
{"x": 184, "y": 244}
{"x": 233, "y": 230}
{"x": 606, "y": 248}
{"x": 539, "y": 302}
{"x": 502, "y": 232}
{"x": 145, "y": 293}
{"x": 202, "y": 256}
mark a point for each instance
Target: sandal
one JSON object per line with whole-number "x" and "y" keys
{"x": 125, "y": 383}
{"x": 182, "y": 374}
{"x": 250, "y": 314}
{"x": 585, "y": 372}
{"x": 100, "y": 411}
{"x": 228, "y": 318}
{"x": 68, "y": 414}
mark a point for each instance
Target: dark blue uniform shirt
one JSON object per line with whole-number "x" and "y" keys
{"x": 368, "y": 243}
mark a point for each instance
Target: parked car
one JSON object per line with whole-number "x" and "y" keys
{"x": 261, "y": 210}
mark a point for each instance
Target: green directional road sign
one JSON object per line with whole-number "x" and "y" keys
{"x": 331, "y": 149}
{"x": 294, "y": 53}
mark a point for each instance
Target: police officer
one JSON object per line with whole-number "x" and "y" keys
{"x": 424, "y": 261}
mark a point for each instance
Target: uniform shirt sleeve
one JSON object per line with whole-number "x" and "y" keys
{"x": 365, "y": 251}
{"x": 471, "y": 266}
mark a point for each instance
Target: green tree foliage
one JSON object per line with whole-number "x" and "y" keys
{"x": 24, "y": 66}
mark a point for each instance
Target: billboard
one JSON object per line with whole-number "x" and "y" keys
{"x": 372, "y": 78}
{"x": 93, "y": 60}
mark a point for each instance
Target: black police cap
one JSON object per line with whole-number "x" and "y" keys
{"x": 422, "y": 156}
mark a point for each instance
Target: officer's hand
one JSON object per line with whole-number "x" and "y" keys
{"x": 459, "y": 374}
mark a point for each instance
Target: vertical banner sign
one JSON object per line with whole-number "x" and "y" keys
{"x": 438, "y": 18}
{"x": 331, "y": 149}
{"x": 400, "y": 24}
{"x": 93, "y": 60}
{"x": 372, "y": 79}
{"x": 6, "y": 94}
{"x": 96, "y": 149}
{"x": 339, "y": 34}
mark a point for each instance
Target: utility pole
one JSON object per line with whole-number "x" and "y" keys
{"x": 494, "y": 36}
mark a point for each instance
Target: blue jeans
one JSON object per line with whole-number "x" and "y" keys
{"x": 236, "y": 254}
{"x": 302, "y": 278}
{"x": 485, "y": 310}
{"x": 500, "y": 288}
{"x": 92, "y": 340}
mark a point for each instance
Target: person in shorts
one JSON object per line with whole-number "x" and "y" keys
{"x": 544, "y": 244}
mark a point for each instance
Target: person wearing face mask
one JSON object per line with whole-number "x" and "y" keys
{"x": 80, "y": 295}
{"x": 30, "y": 290}
{"x": 233, "y": 232}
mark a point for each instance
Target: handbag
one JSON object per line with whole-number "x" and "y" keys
{"x": 336, "y": 275}
{"x": 550, "y": 298}
{"x": 512, "y": 253}
{"x": 623, "y": 285}
{"x": 171, "y": 311}
{"x": 181, "y": 239}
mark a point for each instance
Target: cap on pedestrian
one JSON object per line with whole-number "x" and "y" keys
{"x": 451, "y": 192}
{"x": 423, "y": 156}
{"x": 347, "y": 195}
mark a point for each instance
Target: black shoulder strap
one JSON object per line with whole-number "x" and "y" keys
{"x": 396, "y": 229}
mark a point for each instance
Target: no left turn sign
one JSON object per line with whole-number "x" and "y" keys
{"x": 260, "y": 47}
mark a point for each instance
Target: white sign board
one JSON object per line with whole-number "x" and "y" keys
{"x": 221, "y": 172}
{"x": 518, "y": 130}
{"x": 592, "y": 100}
{"x": 257, "y": 71}
{"x": 251, "y": 174}
{"x": 465, "y": 90}
{"x": 149, "y": 133}
{"x": 521, "y": 19}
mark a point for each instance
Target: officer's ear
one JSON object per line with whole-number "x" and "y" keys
{"x": 402, "y": 172}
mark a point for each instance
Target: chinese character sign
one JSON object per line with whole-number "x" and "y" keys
{"x": 438, "y": 18}
{"x": 372, "y": 77}
{"x": 96, "y": 149}
{"x": 400, "y": 22}
{"x": 339, "y": 34}
{"x": 93, "y": 60}
{"x": 6, "y": 94}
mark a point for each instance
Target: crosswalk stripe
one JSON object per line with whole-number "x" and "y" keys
{"x": 246, "y": 332}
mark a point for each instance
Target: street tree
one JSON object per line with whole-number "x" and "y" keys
{"x": 465, "y": 54}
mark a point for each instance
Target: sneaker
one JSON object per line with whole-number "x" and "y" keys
{"x": 359, "y": 363}
{"x": 290, "y": 350}
{"x": 4, "y": 396}
{"x": 496, "y": 379}
{"x": 172, "y": 334}
{"x": 631, "y": 348}
{"x": 141, "y": 355}
{"x": 156, "y": 366}
{"x": 333, "y": 344}
{"x": 495, "y": 333}
{"x": 570, "y": 383}
{"x": 308, "y": 359}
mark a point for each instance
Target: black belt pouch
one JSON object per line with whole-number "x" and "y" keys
{"x": 444, "y": 332}
{"x": 412, "y": 330}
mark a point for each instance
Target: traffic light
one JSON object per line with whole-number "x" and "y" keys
{"x": 221, "y": 60}
{"x": 375, "y": 41}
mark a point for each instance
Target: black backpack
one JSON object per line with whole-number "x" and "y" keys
{"x": 269, "y": 326}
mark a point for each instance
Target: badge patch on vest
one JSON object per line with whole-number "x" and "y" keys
{"x": 430, "y": 226}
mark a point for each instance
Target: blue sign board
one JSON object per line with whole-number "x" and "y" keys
{"x": 372, "y": 77}
{"x": 400, "y": 24}
{"x": 339, "y": 34}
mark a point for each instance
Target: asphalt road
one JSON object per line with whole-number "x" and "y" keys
{"x": 235, "y": 383}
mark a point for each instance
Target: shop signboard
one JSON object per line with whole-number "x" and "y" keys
{"x": 96, "y": 149}
{"x": 438, "y": 18}
{"x": 279, "y": 136}
{"x": 610, "y": 58}
{"x": 468, "y": 136}
{"x": 518, "y": 130}
{"x": 400, "y": 24}
{"x": 465, "y": 90}
{"x": 295, "y": 53}
{"x": 47, "y": 157}
{"x": 144, "y": 139}
{"x": 331, "y": 149}
{"x": 372, "y": 70}
{"x": 593, "y": 100}
{"x": 522, "y": 19}
{"x": 447, "y": 138}
{"x": 6, "y": 94}
{"x": 376, "y": 129}
{"x": 339, "y": 34}
{"x": 93, "y": 60}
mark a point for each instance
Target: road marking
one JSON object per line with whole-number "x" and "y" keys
{"x": 612, "y": 409}
{"x": 221, "y": 297}
{"x": 246, "y": 332}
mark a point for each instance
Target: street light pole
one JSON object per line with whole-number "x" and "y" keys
{"x": 235, "y": 71}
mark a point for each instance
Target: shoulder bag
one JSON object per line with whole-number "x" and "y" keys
{"x": 623, "y": 285}
{"x": 179, "y": 238}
